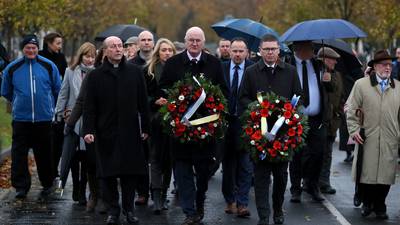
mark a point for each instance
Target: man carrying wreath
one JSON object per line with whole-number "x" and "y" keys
{"x": 196, "y": 62}
{"x": 269, "y": 74}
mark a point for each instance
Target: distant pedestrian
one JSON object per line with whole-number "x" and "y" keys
{"x": 31, "y": 83}
{"x": 131, "y": 47}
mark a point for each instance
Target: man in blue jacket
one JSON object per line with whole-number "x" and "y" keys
{"x": 31, "y": 83}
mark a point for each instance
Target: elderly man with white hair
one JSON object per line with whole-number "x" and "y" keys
{"x": 188, "y": 156}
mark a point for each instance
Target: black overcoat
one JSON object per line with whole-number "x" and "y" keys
{"x": 115, "y": 98}
{"x": 175, "y": 69}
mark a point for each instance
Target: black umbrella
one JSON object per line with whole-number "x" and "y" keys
{"x": 123, "y": 31}
{"x": 68, "y": 152}
{"x": 358, "y": 194}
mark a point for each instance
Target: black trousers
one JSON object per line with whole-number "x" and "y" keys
{"x": 374, "y": 195}
{"x": 143, "y": 185}
{"x": 28, "y": 135}
{"x": 111, "y": 195}
{"x": 307, "y": 163}
{"x": 262, "y": 180}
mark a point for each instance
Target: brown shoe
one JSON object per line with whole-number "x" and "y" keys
{"x": 230, "y": 208}
{"x": 243, "y": 212}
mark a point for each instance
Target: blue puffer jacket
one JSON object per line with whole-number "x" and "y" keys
{"x": 32, "y": 85}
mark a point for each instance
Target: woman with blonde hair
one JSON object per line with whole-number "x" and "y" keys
{"x": 83, "y": 64}
{"x": 159, "y": 151}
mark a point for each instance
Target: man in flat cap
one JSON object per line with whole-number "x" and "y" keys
{"x": 131, "y": 47}
{"x": 31, "y": 83}
{"x": 376, "y": 97}
{"x": 333, "y": 79}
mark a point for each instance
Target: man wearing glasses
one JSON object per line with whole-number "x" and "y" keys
{"x": 269, "y": 74}
{"x": 377, "y": 97}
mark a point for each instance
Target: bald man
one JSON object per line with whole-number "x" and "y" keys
{"x": 146, "y": 45}
{"x": 188, "y": 156}
{"x": 116, "y": 94}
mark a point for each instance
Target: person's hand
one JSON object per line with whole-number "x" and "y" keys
{"x": 357, "y": 138}
{"x": 161, "y": 101}
{"x": 89, "y": 138}
{"x": 326, "y": 77}
{"x": 68, "y": 129}
{"x": 66, "y": 114}
{"x": 144, "y": 136}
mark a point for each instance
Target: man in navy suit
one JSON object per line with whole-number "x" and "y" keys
{"x": 236, "y": 163}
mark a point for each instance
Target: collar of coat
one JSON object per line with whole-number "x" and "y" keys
{"x": 278, "y": 65}
{"x": 203, "y": 58}
{"x": 374, "y": 81}
{"x": 109, "y": 66}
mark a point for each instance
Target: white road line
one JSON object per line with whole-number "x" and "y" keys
{"x": 339, "y": 217}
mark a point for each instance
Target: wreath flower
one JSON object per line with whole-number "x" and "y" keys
{"x": 286, "y": 135}
{"x": 195, "y": 111}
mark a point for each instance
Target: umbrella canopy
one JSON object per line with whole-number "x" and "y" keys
{"x": 123, "y": 31}
{"x": 248, "y": 29}
{"x": 68, "y": 153}
{"x": 322, "y": 29}
{"x": 337, "y": 44}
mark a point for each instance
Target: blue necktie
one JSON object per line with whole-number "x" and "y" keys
{"x": 234, "y": 90}
{"x": 383, "y": 85}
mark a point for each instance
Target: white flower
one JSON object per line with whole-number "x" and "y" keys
{"x": 203, "y": 136}
{"x": 181, "y": 97}
{"x": 287, "y": 121}
{"x": 199, "y": 128}
{"x": 206, "y": 133}
{"x": 252, "y": 142}
{"x": 202, "y": 75}
{"x": 214, "y": 110}
{"x": 258, "y": 105}
{"x": 215, "y": 124}
{"x": 173, "y": 102}
{"x": 296, "y": 116}
{"x": 263, "y": 151}
{"x": 277, "y": 101}
{"x": 172, "y": 123}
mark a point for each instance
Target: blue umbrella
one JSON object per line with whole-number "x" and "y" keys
{"x": 248, "y": 29}
{"x": 322, "y": 29}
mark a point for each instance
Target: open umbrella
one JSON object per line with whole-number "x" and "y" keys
{"x": 337, "y": 44}
{"x": 123, "y": 31}
{"x": 248, "y": 29}
{"x": 322, "y": 29}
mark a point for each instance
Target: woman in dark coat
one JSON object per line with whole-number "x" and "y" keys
{"x": 159, "y": 145}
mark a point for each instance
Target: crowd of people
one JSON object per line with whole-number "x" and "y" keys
{"x": 104, "y": 108}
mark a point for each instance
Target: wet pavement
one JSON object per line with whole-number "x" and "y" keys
{"x": 62, "y": 210}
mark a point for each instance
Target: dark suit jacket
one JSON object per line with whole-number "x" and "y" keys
{"x": 284, "y": 82}
{"x": 324, "y": 87}
{"x": 175, "y": 69}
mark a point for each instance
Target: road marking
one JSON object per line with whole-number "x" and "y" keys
{"x": 339, "y": 217}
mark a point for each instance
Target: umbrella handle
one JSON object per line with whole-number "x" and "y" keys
{"x": 360, "y": 114}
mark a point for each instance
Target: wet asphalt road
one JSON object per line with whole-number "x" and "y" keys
{"x": 62, "y": 210}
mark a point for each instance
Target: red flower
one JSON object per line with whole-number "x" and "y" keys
{"x": 288, "y": 106}
{"x": 257, "y": 135}
{"x": 180, "y": 128}
{"x": 171, "y": 107}
{"x": 272, "y": 152}
{"x": 291, "y": 132}
{"x": 265, "y": 104}
{"x": 210, "y": 99}
{"x": 253, "y": 116}
{"x": 249, "y": 130}
{"x": 220, "y": 107}
{"x": 287, "y": 114}
{"x": 264, "y": 112}
{"x": 277, "y": 145}
{"x": 182, "y": 108}
{"x": 299, "y": 130}
{"x": 198, "y": 93}
{"x": 260, "y": 148}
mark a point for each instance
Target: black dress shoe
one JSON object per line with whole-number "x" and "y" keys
{"x": 328, "y": 190}
{"x": 21, "y": 194}
{"x": 279, "y": 219}
{"x": 131, "y": 218}
{"x": 366, "y": 210}
{"x": 315, "y": 194}
{"x": 112, "y": 220}
{"x": 296, "y": 198}
{"x": 356, "y": 200}
{"x": 382, "y": 215}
